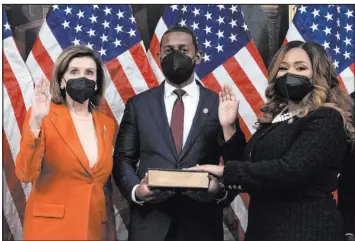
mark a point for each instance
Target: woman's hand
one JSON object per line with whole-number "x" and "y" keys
{"x": 212, "y": 169}
{"x": 40, "y": 103}
{"x": 228, "y": 107}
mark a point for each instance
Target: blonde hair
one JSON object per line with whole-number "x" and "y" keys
{"x": 61, "y": 66}
{"x": 326, "y": 90}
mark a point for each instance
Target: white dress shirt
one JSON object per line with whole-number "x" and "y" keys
{"x": 190, "y": 100}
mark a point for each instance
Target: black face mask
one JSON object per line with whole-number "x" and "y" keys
{"x": 81, "y": 89}
{"x": 293, "y": 87}
{"x": 177, "y": 67}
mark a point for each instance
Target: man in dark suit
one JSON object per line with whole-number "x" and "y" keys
{"x": 173, "y": 126}
{"x": 347, "y": 190}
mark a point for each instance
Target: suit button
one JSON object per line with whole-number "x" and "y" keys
{"x": 90, "y": 180}
{"x": 230, "y": 187}
{"x": 240, "y": 188}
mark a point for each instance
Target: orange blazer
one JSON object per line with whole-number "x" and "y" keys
{"x": 67, "y": 199}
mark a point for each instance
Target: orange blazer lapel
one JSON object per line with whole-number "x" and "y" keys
{"x": 65, "y": 126}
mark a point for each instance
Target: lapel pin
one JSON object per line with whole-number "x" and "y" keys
{"x": 290, "y": 121}
{"x": 104, "y": 132}
{"x": 205, "y": 110}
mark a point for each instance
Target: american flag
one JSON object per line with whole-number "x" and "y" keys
{"x": 109, "y": 29}
{"x": 17, "y": 94}
{"x": 332, "y": 26}
{"x": 230, "y": 57}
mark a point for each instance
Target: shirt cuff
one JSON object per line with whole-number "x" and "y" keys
{"x": 133, "y": 195}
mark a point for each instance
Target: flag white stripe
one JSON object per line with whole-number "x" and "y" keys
{"x": 10, "y": 211}
{"x": 160, "y": 29}
{"x": 293, "y": 34}
{"x": 121, "y": 230}
{"x": 227, "y": 234}
{"x": 245, "y": 109}
{"x": 13, "y": 134}
{"x": 114, "y": 100}
{"x": 155, "y": 68}
{"x": 19, "y": 70}
{"x": 241, "y": 211}
{"x": 34, "y": 68}
{"x": 132, "y": 72}
{"x": 49, "y": 42}
{"x": 349, "y": 79}
{"x": 143, "y": 47}
{"x": 10, "y": 125}
{"x": 251, "y": 69}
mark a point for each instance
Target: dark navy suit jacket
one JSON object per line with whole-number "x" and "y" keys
{"x": 145, "y": 136}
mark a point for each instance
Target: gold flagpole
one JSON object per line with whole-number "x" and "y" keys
{"x": 292, "y": 9}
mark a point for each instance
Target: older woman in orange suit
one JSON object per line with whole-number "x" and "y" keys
{"x": 66, "y": 152}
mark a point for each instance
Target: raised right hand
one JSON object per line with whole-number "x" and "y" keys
{"x": 40, "y": 103}
{"x": 143, "y": 193}
{"x": 228, "y": 106}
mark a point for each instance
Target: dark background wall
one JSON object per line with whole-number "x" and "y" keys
{"x": 263, "y": 22}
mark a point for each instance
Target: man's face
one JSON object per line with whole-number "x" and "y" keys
{"x": 180, "y": 41}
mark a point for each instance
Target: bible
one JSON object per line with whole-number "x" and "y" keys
{"x": 177, "y": 179}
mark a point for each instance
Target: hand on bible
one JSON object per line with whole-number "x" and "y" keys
{"x": 216, "y": 170}
{"x": 143, "y": 193}
{"x": 205, "y": 195}
{"x": 228, "y": 107}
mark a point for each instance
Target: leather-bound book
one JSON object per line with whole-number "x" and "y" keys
{"x": 177, "y": 179}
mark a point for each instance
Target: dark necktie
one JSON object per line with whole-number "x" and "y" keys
{"x": 177, "y": 120}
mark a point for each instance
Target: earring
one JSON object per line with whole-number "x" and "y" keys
{"x": 62, "y": 87}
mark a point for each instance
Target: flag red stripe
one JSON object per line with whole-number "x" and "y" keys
{"x": 246, "y": 198}
{"x": 43, "y": 59}
{"x": 240, "y": 232}
{"x": 15, "y": 187}
{"x": 352, "y": 68}
{"x": 155, "y": 49}
{"x": 140, "y": 58}
{"x": 211, "y": 83}
{"x": 244, "y": 128}
{"x": 256, "y": 56}
{"x": 120, "y": 79}
{"x": 244, "y": 85}
{"x": 14, "y": 92}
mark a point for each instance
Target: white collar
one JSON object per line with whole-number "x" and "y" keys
{"x": 191, "y": 89}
